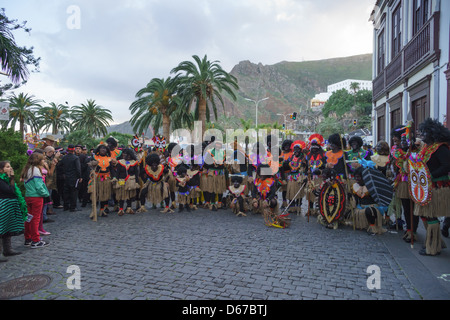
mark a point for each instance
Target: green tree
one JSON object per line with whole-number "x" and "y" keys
{"x": 201, "y": 83}
{"x": 159, "y": 105}
{"x": 92, "y": 118}
{"x": 123, "y": 138}
{"x": 22, "y": 111}
{"x": 339, "y": 103}
{"x": 330, "y": 126}
{"x": 13, "y": 149}
{"x": 55, "y": 116}
{"x": 14, "y": 60}
{"x": 81, "y": 137}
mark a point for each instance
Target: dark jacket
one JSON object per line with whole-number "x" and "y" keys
{"x": 71, "y": 169}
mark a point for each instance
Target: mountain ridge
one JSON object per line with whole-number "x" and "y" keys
{"x": 289, "y": 85}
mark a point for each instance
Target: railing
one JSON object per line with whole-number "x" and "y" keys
{"x": 423, "y": 47}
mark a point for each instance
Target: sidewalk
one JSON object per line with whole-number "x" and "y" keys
{"x": 429, "y": 274}
{"x": 205, "y": 255}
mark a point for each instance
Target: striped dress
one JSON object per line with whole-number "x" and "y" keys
{"x": 11, "y": 215}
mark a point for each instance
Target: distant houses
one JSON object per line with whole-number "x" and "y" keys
{"x": 320, "y": 99}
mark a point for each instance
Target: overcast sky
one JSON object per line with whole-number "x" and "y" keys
{"x": 107, "y": 50}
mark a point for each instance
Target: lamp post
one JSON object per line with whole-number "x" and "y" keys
{"x": 256, "y": 104}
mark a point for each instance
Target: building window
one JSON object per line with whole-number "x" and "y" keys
{"x": 420, "y": 111}
{"x": 421, "y": 14}
{"x": 396, "y": 31}
{"x": 396, "y": 118}
{"x": 381, "y": 53}
{"x": 381, "y": 128}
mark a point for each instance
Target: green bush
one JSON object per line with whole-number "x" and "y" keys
{"x": 13, "y": 149}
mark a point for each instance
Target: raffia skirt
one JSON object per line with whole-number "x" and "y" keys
{"x": 103, "y": 189}
{"x": 292, "y": 189}
{"x": 216, "y": 182}
{"x": 439, "y": 206}
{"x": 402, "y": 190}
{"x": 170, "y": 178}
{"x": 361, "y": 222}
{"x": 126, "y": 190}
{"x": 183, "y": 198}
{"x": 157, "y": 191}
{"x": 315, "y": 184}
{"x": 195, "y": 193}
{"x": 235, "y": 207}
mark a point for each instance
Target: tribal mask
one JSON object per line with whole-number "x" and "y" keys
{"x": 160, "y": 143}
{"x": 419, "y": 181}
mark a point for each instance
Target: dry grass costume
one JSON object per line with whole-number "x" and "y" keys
{"x": 102, "y": 164}
{"x": 155, "y": 189}
{"x": 125, "y": 181}
{"x": 367, "y": 214}
{"x": 265, "y": 199}
{"x": 183, "y": 189}
{"x": 316, "y": 161}
{"x": 399, "y": 166}
{"x": 296, "y": 176}
{"x": 286, "y": 154}
{"x": 236, "y": 194}
{"x": 433, "y": 197}
{"x": 216, "y": 184}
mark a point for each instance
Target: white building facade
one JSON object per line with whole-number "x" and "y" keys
{"x": 321, "y": 98}
{"x": 411, "y": 71}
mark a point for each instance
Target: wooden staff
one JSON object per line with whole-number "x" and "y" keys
{"x": 308, "y": 197}
{"x": 93, "y": 215}
{"x": 348, "y": 180}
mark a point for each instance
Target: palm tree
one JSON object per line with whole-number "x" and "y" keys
{"x": 92, "y": 118}
{"x": 56, "y": 116}
{"x": 246, "y": 124}
{"x": 14, "y": 60}
{"x": 203, "y": 82}
{"x": 354, "y": 86}
{"x": 22, "y": 110}
{"x": 159, "y": 105}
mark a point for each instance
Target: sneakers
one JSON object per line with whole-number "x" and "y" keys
{"x": 39, "y": 244}
{"x": 45, "y": 233}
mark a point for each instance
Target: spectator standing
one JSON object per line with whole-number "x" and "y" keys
{"x": 13, "y": 209}
{"x": 35, "y": 192}
{"x": 72, "y": 178}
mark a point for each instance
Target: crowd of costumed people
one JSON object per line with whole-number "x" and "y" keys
{"x": 335, "y": 181}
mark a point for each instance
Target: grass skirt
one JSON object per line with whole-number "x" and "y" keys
{"x": 157, "y": 191}
{"x": 402, "y": 190}
{"x": 126, "y": 190}
{"x": 292, "y": 188}
{"x": 103, "y": 189}
{"x": 439, "y": 205}
{"x": 361, "y": 222}
{"x": 215, "y": 183}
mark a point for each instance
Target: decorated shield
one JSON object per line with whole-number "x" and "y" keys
{"x": 419, "y": 181}
{"x": 378, "y": 185}
{"x": 332, "y": 201}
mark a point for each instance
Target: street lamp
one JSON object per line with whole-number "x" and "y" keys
{"x": 256, "y": 104}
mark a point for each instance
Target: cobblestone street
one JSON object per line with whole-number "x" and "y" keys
{"x": 216, "y": 256}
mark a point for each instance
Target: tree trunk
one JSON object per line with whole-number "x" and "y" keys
{"x": 21, "y": 126}
{"x": 166, "y": 127}
{"x": 202, "y": 114}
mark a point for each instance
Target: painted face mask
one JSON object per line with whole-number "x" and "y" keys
{"x": 160, "y": 143}
{"x": 419, "y": 181}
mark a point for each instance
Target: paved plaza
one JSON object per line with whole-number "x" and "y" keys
{"x": 203, "y": 255}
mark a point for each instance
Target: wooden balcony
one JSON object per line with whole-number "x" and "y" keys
{"x": 421, "y": 49}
